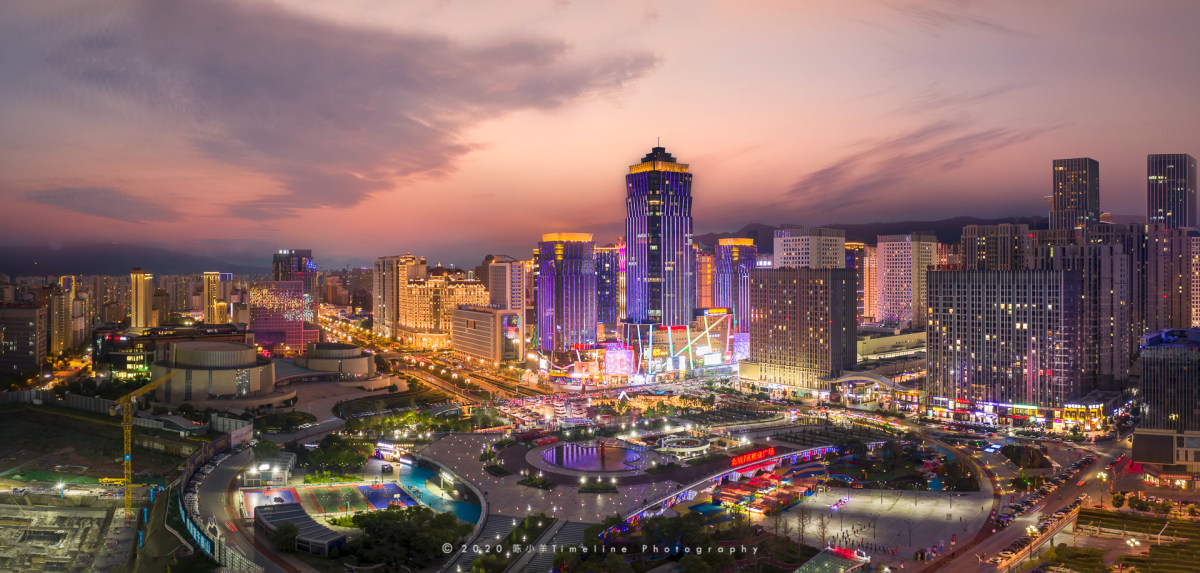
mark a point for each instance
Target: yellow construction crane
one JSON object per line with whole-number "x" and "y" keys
{"x": 125, "y": 407}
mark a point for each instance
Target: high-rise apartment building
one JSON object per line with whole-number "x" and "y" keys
{"x": 212, "y": 300}
{"x": 735, "y": 260}
{"x": 856, "y": 258}
{"x": 297, "y": 265}
{"x": 658, "y": 230}
{"x": 810, "y": 247}
{"x": 1171, "y": 190}
{"x": 1196, "y": 282}
{"x": 1169, "y": 433}
{"x": 608, "y": 289}
{"x": 1003, "y": 247}
{"x": 1075, "y": 202}
{"x": 903, "y": 262}
{"x": 1168, "y": 276}
{"x": 705, "y": 275}
{"x": 392, "y": 275}
{"x": 803, "y": 329}
{"x": 59, "y": 315}
{"x": 870, "y": 284}
{"x": 506, "y": 283}
{"x": 141, "y": 299}
{"x": 566, "y": 309}
{"x": 1003, "y": 345}
{"x": 25, "y": 339}
{"x": 1105, "y": 309}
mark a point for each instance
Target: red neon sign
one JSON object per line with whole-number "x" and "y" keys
{"x": 751, "y": 457}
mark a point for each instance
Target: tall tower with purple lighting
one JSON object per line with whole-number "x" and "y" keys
{"x": 658, "y": 228}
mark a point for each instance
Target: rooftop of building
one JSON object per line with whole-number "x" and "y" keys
{"x": 333, "y": 346}
{"x": 213, "y": 345}
{"x": 1173, "y": 337}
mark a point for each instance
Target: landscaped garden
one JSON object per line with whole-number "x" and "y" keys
{"x": 1026, "y": 457}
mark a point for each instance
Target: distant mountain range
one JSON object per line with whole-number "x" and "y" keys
{"x": 947, "y": 230}
{"x": 111, "y": 259}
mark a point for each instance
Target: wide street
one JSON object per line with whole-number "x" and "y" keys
{"x": 214, "y": 500}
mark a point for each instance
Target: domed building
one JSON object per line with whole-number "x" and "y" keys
{"x": 206, "y": 370}
{"x": 352, "y": 362}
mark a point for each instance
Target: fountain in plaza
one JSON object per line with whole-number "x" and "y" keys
{"x": 591, "y": 457}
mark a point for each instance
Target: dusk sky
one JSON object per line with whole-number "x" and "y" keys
{"x": 361, "y": 128}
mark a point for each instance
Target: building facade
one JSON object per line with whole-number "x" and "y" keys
{"x": 1169, "y": 433}
{"x": 608, "y": 289}
{"x": 1171, "y": 190}
{"x": 297, "y": 265}
{"x": 803, "y": 329}
{"x": 566, "y": 309}
{"x": 141, "y": 299}
{"x": 1075, "y": 199}
{"x": 903, "y": 261}
{"x": 390, "y": 276}
{"x": 735, "y": 260}
{"x": 810, "y": 247}
{"x": 506, "y": 284}
{"x": 426, "y": 308}
{"x": 279, "y": 311}
{"x": 212, "y": 300}
{"x": 1004, "y": 247}
{"x": 705, "y": 276}
{"x": 489, "y": 334}
{"x": 1003, "y": 346}
{"x": 658, "y": 231}
{"x": 24, "y": 337}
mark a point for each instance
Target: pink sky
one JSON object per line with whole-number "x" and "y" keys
{"x": 361, "y": 128}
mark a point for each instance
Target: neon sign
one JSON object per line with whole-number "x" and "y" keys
{"x": 751, "y": 457}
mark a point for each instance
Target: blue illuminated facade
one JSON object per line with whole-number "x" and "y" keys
{"x": 735, "y": 258}
{"x": 566, "y": 297}
{"x": 658, "y": 229}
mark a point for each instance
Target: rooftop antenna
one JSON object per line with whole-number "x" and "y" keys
{"x": 659, "y": 142}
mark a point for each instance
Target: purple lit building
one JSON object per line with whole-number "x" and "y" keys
{"x": 566, "y": 295}
{"x": 278, "y": 313}
{"x": 735, "y": 258}
{"x": 658, "y": 229}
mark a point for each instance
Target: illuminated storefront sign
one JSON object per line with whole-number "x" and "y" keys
{"x": 751, "y": 457}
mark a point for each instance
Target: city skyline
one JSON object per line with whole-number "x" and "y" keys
{"x": 124, "y": 115}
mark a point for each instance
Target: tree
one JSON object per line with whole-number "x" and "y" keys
{"x": 803, "y": 520}
{"x": 265, "y": 450}
{"x": 1118, "y": 500}
{"x": 823, "y": 528}
{"x": 693, "y": 563}
{"x": 284, "y": 536}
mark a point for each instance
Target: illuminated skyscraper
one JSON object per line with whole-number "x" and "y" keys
{"x": 506, "y": 284}
{"x": 141, "y": 300}
{"x": 705, "y": 275}
{"x": 296, "y": 265}
{"x": 1171, "y": 190}
{"x": 608, "y": 287}
{"x": 658, "y": 228}
{"x": 1076, "y": 197}
{"x": 735, "y": 258}
{"x": 566, "y": 306}
{"x": 212, "y": 299}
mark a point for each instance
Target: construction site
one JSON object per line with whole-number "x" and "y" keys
{"x": 38, "y": 538}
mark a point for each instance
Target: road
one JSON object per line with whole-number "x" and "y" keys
{"x": 992, "y": 544}
{"x": 215, "y": 501}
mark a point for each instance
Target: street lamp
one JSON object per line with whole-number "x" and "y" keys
{"x": 1103, "y": 479}
{"x": 1133, "y": 544}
